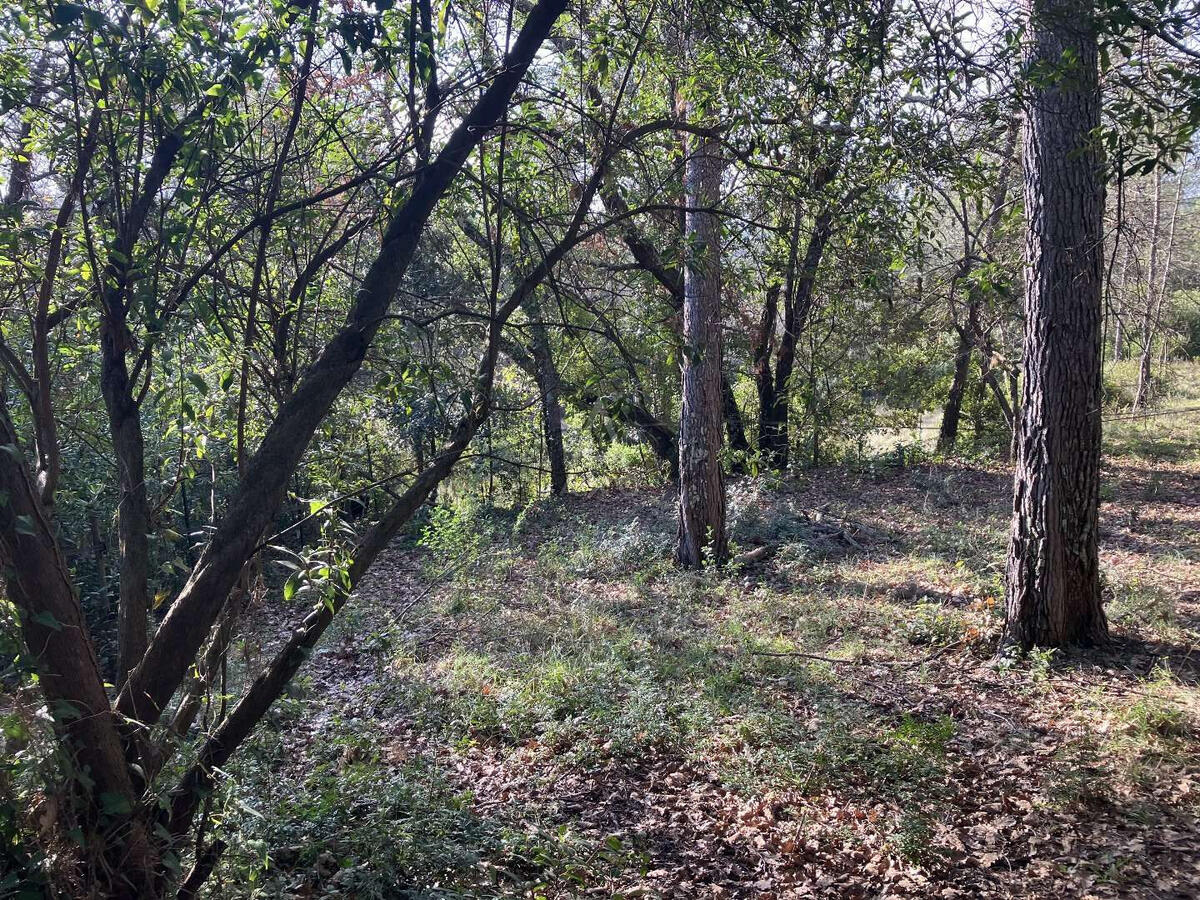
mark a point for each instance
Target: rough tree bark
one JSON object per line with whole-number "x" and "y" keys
{"x": 671, "y": 278}
{"x": 1053, "y": 577}
{"x": 701, "y": 483}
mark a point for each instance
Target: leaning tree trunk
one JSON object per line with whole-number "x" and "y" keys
{"x": 701, "y": 486}
{"x": 1053, "y": 577}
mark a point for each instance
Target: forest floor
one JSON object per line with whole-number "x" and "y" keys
{"x": 544, "y": 707}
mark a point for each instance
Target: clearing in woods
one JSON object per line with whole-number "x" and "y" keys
{"x": 544, "y": 706}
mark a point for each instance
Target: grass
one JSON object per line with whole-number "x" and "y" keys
{"x": 565, "y": 714}
{"x": 1167, "y": 432}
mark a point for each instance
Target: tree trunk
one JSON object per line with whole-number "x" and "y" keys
{"x": 1119, "y": 307}
{"x": 1053, "y": 575}
{"x": 948, "y": 433}
{"x": 671, "y": 278}
{"x": 1150, "y": 314}
{"x": 627, "y": 410}
{"x": 1159, "y": 291}
{"x": 798, "y": 302}
{"x": 701, "y": 484}
{"x": 734, "y": 427}
{"x": 38, "y": 582}
{"x": 133, "y": 512}
{"x": 262, "y": 489}
{"x": 552, "y": 411}
{"x": 764, "y": 381}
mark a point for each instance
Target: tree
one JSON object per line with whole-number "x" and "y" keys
{"x": 1053, "y": 575}
{"x": 113, "y": 750}
{"x": 701, "y": 481}
{"x": 549, "y": 386}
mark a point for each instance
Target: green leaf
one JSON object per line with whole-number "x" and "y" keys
{"x": 46, "y": 619}
{"x": 115, "y": 805}
{"x": 66, "y": 13}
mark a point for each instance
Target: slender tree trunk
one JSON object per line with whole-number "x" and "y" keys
{"x": 261, "y": 490}
{"x": 552, "y": 411}
{"x": 628, "y": 411}
{"x": 671, "y": 278}
{"x": 701, "y": 484}
{"x": 1119, "y": 307}
{"x": 1160, "y": 292}
{"x": 734, "y": 427}
{"x": 133, "y": 512}
{"x": 1150, "y": 314}
{"x": 764, "y": 380}
{"x": 799, "y": 297}
{"x": 1053, "y": 576}
{"x": 948, "y": 433}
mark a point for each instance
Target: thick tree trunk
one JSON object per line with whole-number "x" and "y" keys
{"x": 952, "y": 413}
{"x": 38, "y": 581}
{"x": 701, "y": 484}
{"x": 1053, "y": 576}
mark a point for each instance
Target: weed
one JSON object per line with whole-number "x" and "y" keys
{"x": 1040, "y": 664}
{"x": 930, "y": 623}
{"x": 1156, "y": 713}
{"x": 912, "y": 838}
{"x": 1143, "y": 608}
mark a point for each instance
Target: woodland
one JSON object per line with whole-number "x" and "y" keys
{"x": 625, "y": 448}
